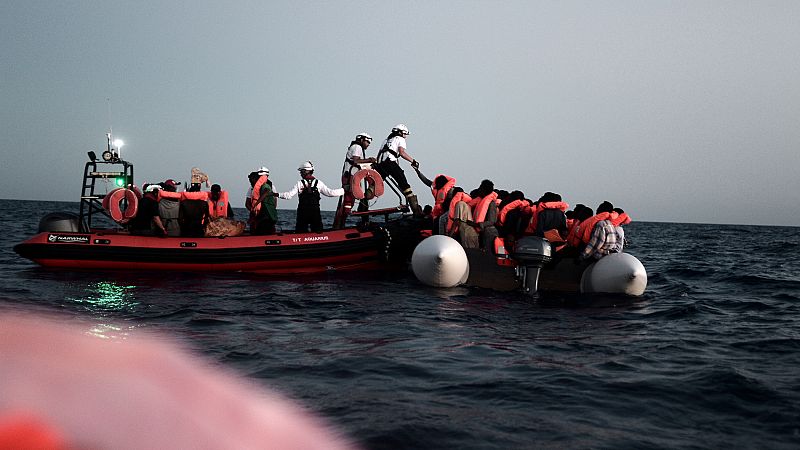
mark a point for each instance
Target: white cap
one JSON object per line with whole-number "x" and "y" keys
{"x": 363, "y": 136}
{"x": 262, "y": 170}
{"x": 306, "y": 165}
{"x": 152, "y": 187}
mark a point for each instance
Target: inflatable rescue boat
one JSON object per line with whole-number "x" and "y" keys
{"x": 73, "y": 241}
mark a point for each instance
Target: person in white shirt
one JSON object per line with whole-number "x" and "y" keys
{"x": 355, "y": 157}
{"x": 394, "y": 148}
{"x": 309, "y": 188}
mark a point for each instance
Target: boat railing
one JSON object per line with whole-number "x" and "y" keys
{"x": 117, "y": 171}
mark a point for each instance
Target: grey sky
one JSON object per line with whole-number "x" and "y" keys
{"x": 683, "y": 111}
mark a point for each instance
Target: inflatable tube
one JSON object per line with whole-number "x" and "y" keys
{"x": 617, "y": 273}
{"x": 440, "y": 261}
{"x": 374, "y": 183}
{"x": 113, "y": 203}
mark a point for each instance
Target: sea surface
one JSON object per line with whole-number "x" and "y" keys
{"x": 709, "y": 357}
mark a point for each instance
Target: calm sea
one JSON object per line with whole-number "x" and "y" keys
{"x": 709, "y": 357}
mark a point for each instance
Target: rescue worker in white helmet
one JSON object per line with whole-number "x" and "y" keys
{"x": 394, "y": 148}
{"x": 309, "y": 188}
{"x": 353, "y": 161}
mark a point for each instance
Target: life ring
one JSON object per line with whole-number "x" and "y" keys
{"x": 374, "y": 184}
{"x": 112, "y": 203}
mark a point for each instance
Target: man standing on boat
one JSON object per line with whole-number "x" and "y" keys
{"x": 308, "y": 213}
{"x": 352, "y": 163}
{"x": 394, "y": 147}
{"x": 263, "y": 205}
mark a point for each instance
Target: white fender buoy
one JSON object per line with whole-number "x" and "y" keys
{"x": 440, "y": 261}
{"x": 617, "y": 273}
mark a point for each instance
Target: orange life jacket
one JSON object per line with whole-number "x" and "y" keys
{"x": 162, "y": 194}
{"x": 440, "y": 194}
{"x": 539, "y": 208}
{"x": 574, "y": 236}
{"x": 218, "y": 208}
{"x": 198, "y": 195}
{"x": 501, "y": 217}
{"x": 480, "y": 206}
{"x": 452, "y": 224}
{"x": 622, "y": 219}
{"x": 588, "y": 225}
{"x": 255, "y": 201}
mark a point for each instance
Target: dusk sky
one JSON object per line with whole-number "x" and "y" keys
{"x": 678, "y": 111}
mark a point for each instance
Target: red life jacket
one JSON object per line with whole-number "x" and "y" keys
{"x": 218, "y": 208}
{"x": 588, "y": 225}
{"x": 452, "y": 224}
{"x": 480, "y": 206}
{"x": 255, "y": 201}
{"x": 440, "y": 194}
{"x": 501, "y": 217}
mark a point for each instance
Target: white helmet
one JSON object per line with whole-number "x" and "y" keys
{"x": 363, "y": 136}
{"x": 263, "y": 170}
{"x": 401, "y": 129}
{"x": 307, "y": 166}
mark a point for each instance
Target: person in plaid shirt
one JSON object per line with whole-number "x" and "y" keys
{"x": 603, "y": 241}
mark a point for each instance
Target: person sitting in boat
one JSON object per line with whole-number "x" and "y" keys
{"x": 484, "y": 214}
{"x": 514, "y": 216}
{"x": 309, "y": 188}
{"x": 169, "y": 207}
{"x": 264, "y": 205}
{"x": 621, "y": 219}
{"x": 603, "y": 237}
{"x": 147, "y": 222}
{"x": 218, "y": 204}
{"x": 442, "y": 191}
{"x": 353, "y": 160}
{"x": 551, "y": 220}
{"x": 394, "y": 148}
{"x": 193, "y": 211}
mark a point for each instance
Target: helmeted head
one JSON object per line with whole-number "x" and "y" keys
{"x": 306, "y": 168}
{"x": 363, "y": 139}
{"x": 400, "y": 130}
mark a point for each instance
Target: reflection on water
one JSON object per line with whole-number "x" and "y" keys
{"x": 107, "y": 295}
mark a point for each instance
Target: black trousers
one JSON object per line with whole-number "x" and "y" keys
{"x": 308, "y": 216}
{"x": 392, "y": 169}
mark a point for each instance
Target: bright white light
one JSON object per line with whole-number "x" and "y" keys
{"x": 118, "y": 143}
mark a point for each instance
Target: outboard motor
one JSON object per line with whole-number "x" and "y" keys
{"x": 532, "y": 253}
{"x": 60, "y": 222}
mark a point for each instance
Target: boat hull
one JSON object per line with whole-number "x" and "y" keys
{"x": 284, "y": 253}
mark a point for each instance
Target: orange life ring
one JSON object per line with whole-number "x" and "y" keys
{"x": 112, "y": 203}
{"x": 374, "y": 184}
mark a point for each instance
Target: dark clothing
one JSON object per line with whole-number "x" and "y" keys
{"x": 264, "y": 222}
{"x": 193, "y": 215}
{"x": 549, "y": 219}
{"x": 515, "y": 224}
{"x": 169, "y": 211}
{"x": 143, "y": 222}
{"x": 392, "y": 169}
{"x": 309, "y": 196}
{"x": 308, "y": 212}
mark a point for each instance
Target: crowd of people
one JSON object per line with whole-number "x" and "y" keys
{"x": 485, "y": 218}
